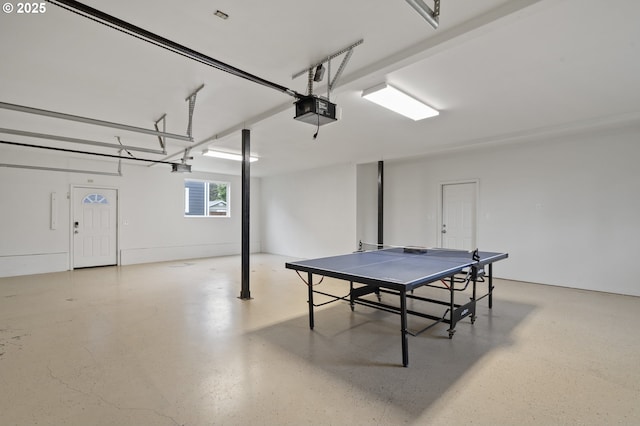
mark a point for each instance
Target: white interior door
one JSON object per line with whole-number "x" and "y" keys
{"x": 458, "y": 228}
{"x": 94, "y": 227}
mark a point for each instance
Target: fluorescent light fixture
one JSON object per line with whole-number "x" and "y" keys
{"x": 226, "y": 155}
{"x": 398, "y": 101}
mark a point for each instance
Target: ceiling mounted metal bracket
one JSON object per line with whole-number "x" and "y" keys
{"x": 192, "y": 106}
{"x": 183, "y": 167}
{"x": 343, "y": 64}
{"x": 431, "y": 16}
{"x": 75, "y": 140}
{"x": 328, "y": 58}
{"x": 92, "y": 121}
{"x": 98, "y": 154}
{"x": 317, "y": 75}
{"x": 57, "y": 169}
{"x": 161, "y": 139}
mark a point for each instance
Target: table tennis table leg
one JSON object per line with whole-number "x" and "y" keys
{"x": 490, "y": 281}
{"x": 310, "y": 285}
{"x": 452, "y": 308}
{"x": 403, "y": 326}
{"x": 474, "y": 273}
{"x": 351, "y": 297}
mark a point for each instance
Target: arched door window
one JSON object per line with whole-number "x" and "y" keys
{"x": 95, "y": 199}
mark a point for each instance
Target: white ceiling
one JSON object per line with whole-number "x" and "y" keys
{"x": 498, "y": 70}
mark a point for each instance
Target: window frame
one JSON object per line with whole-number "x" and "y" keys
{"x": 207, "y": 211}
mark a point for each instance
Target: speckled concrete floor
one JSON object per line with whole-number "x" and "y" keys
{"x": 171, "y": 344}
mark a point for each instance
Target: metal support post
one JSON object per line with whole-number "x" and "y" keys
{"x": 310, "y": 284}
{"x": 380, "y": 201}
{"x": 246, "y": 176}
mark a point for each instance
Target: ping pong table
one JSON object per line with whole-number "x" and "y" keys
{"x": 399, "y": 271}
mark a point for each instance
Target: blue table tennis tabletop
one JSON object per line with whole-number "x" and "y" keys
{"x": 398, "y": 271}
{"x": 396, "y": 267}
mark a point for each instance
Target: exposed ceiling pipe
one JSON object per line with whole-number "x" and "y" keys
{"x": 119, "y": 24}
{"x": 81, "y": 141}
{"x": 92, "y": 121}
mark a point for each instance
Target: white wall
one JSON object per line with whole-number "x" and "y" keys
{"x": 566, "y": 209}
{"x": 367, "y": 203}
{"x": 310, "y": 214}
{"x": 152, "y": 226}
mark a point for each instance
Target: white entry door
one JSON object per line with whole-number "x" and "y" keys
{"x": 94, "y": 227}
{"x": 458, "y": 228}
